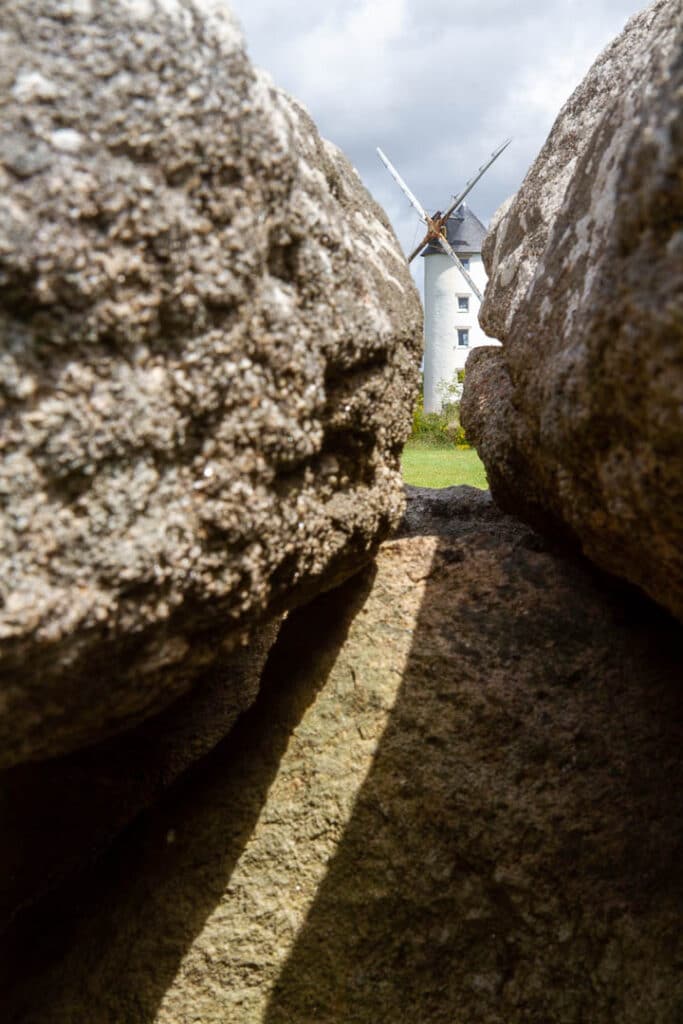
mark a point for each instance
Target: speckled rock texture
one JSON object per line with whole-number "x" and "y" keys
{"x": 58, "y": 816}
{"x": 578, "y": 417}
{"x": 457, "y": 798}
{"x": 210, "y": 351}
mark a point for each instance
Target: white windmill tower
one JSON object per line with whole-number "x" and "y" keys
{"x": 454, "y": 283}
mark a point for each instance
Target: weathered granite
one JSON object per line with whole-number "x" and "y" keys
{"x": 210, "y": 351}
{"x": 578, "y": 417}
{"x": 57, "y": 817}
{"x": 456, "y": 798}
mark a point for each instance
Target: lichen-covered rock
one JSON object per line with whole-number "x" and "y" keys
{"x": 457, "y": 798}
{"x": 210, "y": 347}
{"x": 578, "y": 417}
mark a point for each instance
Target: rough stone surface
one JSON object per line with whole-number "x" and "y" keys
{"x": 457, "y": 798}
{"x": 578, "y": 417}
{"x": 58, "y": 816}
{"x": 210, "y": 349}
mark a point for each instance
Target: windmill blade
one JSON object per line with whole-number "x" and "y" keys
{"x": 473, "y": 181}
{"x": 402, "y": 185}
{"x": 450, "y": 251}
{"x": 429, "y": 237}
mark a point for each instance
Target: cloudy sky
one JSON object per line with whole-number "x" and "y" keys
{"x": 437, "y": 84}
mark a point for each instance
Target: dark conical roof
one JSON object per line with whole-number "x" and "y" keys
{"x": 464, "y": 231}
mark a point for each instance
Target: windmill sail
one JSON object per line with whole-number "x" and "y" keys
{"x": 430, "y": 236}
{"x": 473, "y": 181}
{"x": 402, "y": 185}
{"x": 450, "y": 251}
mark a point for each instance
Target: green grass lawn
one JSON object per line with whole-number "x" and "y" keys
{"x": 425, "y": 466}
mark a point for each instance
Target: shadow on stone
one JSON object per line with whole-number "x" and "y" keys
{"x": 515, "y": 852}
{"x": 58, "y": 816}
{"x": 456, "y": 799}
{"x": 177, "y": 859}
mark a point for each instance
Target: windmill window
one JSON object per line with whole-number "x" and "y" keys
{"x": 463, "y": 303}
{"x": 463, "y": 337}
{"x": 465, "y": 260}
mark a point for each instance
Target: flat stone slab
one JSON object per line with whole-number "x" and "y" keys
{"x": 457, "y": 798}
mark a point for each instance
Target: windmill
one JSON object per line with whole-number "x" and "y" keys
{"x": 452, "y": 295}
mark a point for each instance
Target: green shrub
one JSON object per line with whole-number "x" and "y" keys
{"x": 441, "y": 429}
